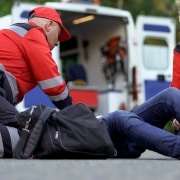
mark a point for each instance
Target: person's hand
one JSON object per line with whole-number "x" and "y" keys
{"x": 176, "y": 124}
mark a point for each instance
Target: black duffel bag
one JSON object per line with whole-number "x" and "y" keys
{"x": 72, "y": 133}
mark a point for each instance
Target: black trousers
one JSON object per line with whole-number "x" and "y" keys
{"x": 8, "y": 113}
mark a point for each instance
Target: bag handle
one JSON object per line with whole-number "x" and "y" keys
{"x": 29, "y": 140}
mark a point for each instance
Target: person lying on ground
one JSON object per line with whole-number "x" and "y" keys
{"x": 132, "y": 132}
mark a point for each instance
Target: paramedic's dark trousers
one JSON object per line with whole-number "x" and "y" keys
{"x": 7, "y": 112}
{"x": 133, "y": 133}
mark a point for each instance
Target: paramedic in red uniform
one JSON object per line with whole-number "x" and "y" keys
{"x": 176, "y": 79}
{"x": 26, "y": 61}
{"x": 176, "y": 68}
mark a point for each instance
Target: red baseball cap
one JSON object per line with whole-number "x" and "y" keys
{"x": 52, "y": 14}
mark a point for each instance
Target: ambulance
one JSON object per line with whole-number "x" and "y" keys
{"x": 111, "y": 62}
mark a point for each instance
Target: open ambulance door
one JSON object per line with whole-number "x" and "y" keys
{"x": 155, "y": 44}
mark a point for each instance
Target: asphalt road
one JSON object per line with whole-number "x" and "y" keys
{"x": 150, "y": 166}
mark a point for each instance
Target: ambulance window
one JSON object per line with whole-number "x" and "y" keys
{"x": 155, "y": 53}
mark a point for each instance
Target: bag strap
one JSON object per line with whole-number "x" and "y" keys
{"x": 29, "y": 140}
{"x": 45, "y": 114}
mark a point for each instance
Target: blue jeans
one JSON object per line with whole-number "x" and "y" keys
{"x": 134, "y": 132}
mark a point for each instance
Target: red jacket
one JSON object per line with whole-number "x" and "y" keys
{"x": 176, "y": 68}
{"x": 26, "y": 56}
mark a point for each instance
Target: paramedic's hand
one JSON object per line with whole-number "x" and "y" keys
{"x": 176, "y": 124}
